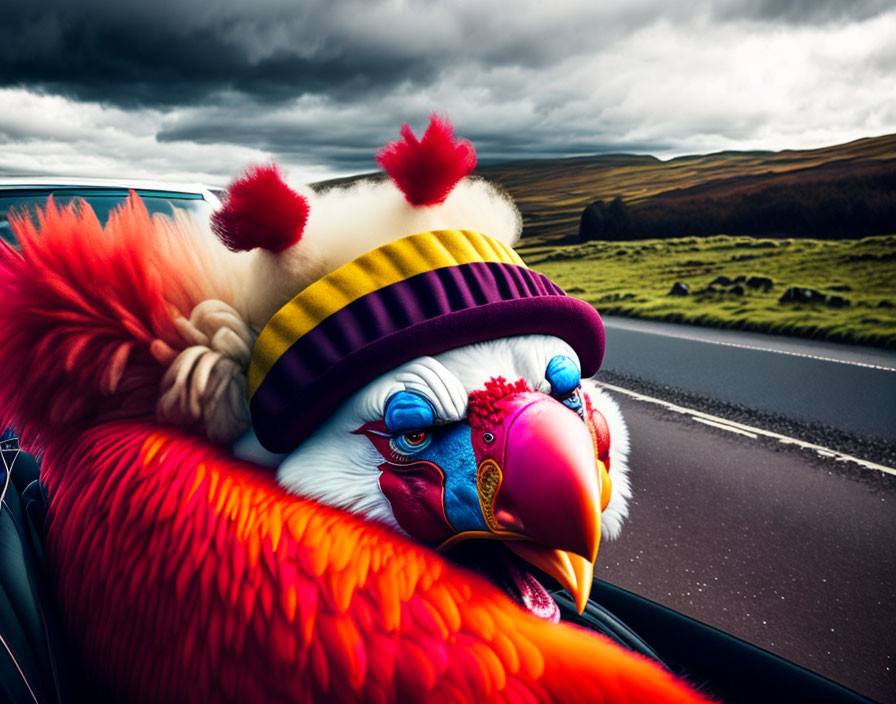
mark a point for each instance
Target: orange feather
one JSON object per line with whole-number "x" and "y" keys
{"x": 455, "y": 634}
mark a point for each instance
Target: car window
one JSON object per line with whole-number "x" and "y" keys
{"x": 102, "y": 200}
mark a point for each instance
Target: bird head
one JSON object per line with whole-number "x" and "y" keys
{"x": 496, "y": 453}
{"x": 435, "y": 383}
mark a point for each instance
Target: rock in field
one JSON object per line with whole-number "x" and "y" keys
{"x": 679, "y": 289}
{"x": 837, "y": 302}
{"x": 800, "y": 294}
{"x": 763, "y": 282}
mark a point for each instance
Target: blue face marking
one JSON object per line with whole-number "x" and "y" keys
{"x": 563, "y": 375}
{"x": 452, "y": 451}
{"x": 408, "y": 411}
{"x": 448, "y": 447}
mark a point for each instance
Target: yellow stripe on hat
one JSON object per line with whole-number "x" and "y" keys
{"x": 370, "y": 272}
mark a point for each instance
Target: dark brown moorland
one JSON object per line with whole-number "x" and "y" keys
{"x": 847, "y": 190}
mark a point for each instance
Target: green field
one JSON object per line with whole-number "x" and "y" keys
{"x": 634, "y": 279}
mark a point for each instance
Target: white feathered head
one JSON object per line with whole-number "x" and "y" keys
{"x": 410, "y": 367}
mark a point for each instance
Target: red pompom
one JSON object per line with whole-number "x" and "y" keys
{"x": 427, "y": 170}
{"x": 261, "y": 211}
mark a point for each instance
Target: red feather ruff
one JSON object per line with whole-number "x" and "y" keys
{"x": 261, "y": 211}
{"x": 186, "y": 575}
{"x": 427, "y": 170}
{"x": 87, "y": 315}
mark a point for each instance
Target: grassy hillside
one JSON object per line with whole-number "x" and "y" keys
{"x": 551, "y": 193}
{"x": 634, "y": 279}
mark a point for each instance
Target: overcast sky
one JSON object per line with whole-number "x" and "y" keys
{"x": 183, "y": 90}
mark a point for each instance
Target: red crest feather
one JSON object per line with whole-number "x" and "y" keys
{"x": 261, "y": 211}
{"x": 427, "y": 170}
{"x": 484, "y": 403}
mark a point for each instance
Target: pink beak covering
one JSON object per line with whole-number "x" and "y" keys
{"x": 538, "y": 481}
{"x": 549, "y": 491}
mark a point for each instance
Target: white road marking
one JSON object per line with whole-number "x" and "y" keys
{"x": 692, "y": 338}
{"x": 725, "y": 426}
{"x": 750, "y": 430}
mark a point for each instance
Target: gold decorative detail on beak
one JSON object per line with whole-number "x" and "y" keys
{"x": 488, "y": 481}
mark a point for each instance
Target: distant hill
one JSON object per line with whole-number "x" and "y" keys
{"x": 841, "y": 198}
{"x": 840, "y": 191}
{"x": 750, "y": 192}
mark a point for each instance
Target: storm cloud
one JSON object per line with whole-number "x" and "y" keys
{"x": 170, "y": 53}
{"x": 177, "y": 89}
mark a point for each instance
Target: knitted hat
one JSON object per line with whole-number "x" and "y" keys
{"x": 420, "y": 294}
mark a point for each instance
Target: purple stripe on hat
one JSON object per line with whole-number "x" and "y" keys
{"x": 426, "y": 314}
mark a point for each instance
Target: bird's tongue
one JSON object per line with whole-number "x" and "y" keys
{"x": 492, "y": 560}
{"x": 528, "y": 591}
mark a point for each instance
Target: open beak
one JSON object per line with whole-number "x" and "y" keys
{"x": 574, "y": 572}
{"x": 539, "y": 489}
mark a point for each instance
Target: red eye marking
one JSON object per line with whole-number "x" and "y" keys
{"x": 415, "y": 439}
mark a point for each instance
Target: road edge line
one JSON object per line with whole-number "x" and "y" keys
{"x": 755, "y": 348}
{"x": 715, "y": 420}
{"x": 725, "y": 426}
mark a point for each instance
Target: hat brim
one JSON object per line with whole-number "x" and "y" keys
{"x": 428, "y": 314}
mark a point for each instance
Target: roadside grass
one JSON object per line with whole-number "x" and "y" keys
{"x": 634, "y": 279}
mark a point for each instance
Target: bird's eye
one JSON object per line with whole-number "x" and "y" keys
{"x": 411, "y": 443}
{"x": 415, "y": 439}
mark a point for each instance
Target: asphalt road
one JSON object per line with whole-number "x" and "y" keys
{"x": 846, "y": 387}
{"x": 786, "y": 549}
